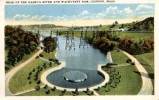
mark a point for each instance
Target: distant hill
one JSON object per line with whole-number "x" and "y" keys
{"x": 42, "y": 26}
{"x": 144, "y": 25}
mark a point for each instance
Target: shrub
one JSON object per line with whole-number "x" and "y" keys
{"x": 76, "y": 91}
{"x": 37, "y": 88}
{"x": 45, "y": 87}
{"x": 53, "y": 89}
{"x": 41, "y": 69}
{"x": 44, "y": 64}
{"x": 87, "y": 90}
{"x": 30, "y": 82}
{"x": 28, "y": 78}
{"x": 128, "y": 61}
{"x": 33, "y": 70}
{"x": 30, "y": 73}
{"x": 37, "y": 57}
{"x": 50, "y": 64}
{"x": 38, "y": 82}
{"x": 35, "y": 78}
{"x": 47, "y": 91}
{"x": 64, "y": 91}
{"x": 98, "y": 88}
{"x": 51, "y": 59}
{"x": 132, "y": 63}
{"x": 41, "y": 55}
{"x": 92, "y": 93}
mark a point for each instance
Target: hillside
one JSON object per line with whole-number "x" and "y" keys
{"x": 144, "y": 25}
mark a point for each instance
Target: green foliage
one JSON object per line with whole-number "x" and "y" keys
{"x": 145, "y": 25}
{"x": 19, "y": 43}
{"x": 123, "y": 78}
{"x": 37, "y": 88}
{"x": 49, "y": 44}
{"x": 136, "y": 47}
{"x": 103, "y": 41}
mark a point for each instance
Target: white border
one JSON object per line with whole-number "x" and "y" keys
{"x": 2, "y": 72}
{"x": 154, "y": 97}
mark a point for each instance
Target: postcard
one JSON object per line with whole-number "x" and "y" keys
{"x": 81, "y": 48}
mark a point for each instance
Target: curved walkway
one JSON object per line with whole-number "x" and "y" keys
{"x": 46, "y": 73}
{"x": 95, "y": 93}
{"x": 11, "y": 73}
{"x": 26, "y": 91}
{"x": 147, "y": 87}
{"x": 109, "y": 57}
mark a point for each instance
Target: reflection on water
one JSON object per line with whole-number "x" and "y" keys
{"x": 79, "y": 59}
{"x": 57, "y": 78}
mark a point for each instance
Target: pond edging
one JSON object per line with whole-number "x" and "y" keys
{"x": 62, "y": 65}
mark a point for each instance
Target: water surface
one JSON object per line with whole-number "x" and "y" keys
{"x": 84, "y": 58}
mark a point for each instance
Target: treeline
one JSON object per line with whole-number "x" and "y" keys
{"x": 136, "y": 47}
{"x": 104, "y": 44}
{"x": 104, "y": 41}
{"x": 109, "y": 42}
{"x": 145, "y": 25}
{"x": 49, "y": 44}
{"x": 19, "y": 43}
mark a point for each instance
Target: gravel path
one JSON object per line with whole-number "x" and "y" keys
{"x": 95, "y": 93}
{"x": 109, "y": 57}
{"x": 147, "y": 87}
{"x": 26, "y": 91}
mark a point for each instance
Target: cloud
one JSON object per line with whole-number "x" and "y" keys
{"x": 115, "y": 12}
{"x": 76, "y": 22}
{"x": 32, "y": 17}
{"x": 84, "y": 12}
{"x": 112, "y": 10}
{"x": 20, "y": 17}
{"x": 128, "y": 11}
{"x": 100, "y": 15}
{"x": 143, "y": 7}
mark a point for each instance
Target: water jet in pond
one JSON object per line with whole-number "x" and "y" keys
{"x": 75, "y": 76}
{"x": 80, "y": 70}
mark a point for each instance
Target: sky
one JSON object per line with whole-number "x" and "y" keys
{"x": 77, "y": 15}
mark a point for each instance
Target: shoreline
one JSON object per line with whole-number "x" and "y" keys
{"x": 62, "y": 65}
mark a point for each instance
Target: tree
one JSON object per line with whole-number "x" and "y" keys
{"x": 37, "y": 88}
{"x": 49, "y": 44}
{"x": 116, "y": 22}
{"x": 19, "y": 43}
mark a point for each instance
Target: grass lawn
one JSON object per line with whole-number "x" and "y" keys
{"x": 118, "y": 57}
{"x": 19, "y": 81}
{"x": 41, "y": 92}
{"x": 26, "y": 57}
{"x": 135, "y": 35}
{"x": 6, "y": 54}
{"x": 50, "y": 55}
{"x": 130, "y": 82}
{"x": 147, "y": 60}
